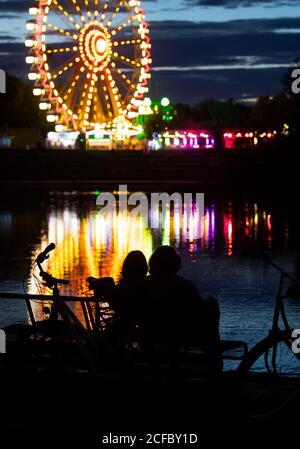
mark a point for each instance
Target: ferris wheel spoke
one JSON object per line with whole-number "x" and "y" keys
{"x": 96, "y": 6}
{"x": 124, "y": 24}
{"x": 69, "y": 94}
{"x": 125, "y": 60}
{"x": 104, "y": 10}
{"x": 114, "y": 88}
{"x": 125, "y": 78}
{"x": 60, "y": 30}
{"x": 115, "y": 12}
{"x": 112, "y": 102}
{"x": 77, "y": 7}
{"x": 108, "y": 102}
{"x": 99, "y": 114}
{"x": 127, "y": 42}
{"x": 65, "y": 13}
{"x": 65, "y": 68}
{"x": 86, "y": 99}
{"x": 53, "y": 50}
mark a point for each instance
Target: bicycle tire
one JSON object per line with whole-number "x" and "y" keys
{"x": 266, "y": 389}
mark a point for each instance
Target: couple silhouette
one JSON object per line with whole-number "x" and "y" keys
{"x": 154, "y": 304}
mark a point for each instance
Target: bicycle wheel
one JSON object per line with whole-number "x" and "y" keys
{"x": 268, "y": 377}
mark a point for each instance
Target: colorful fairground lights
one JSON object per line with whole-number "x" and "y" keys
{"x": 202, "y": 139}
{"x": 90, "y": 63}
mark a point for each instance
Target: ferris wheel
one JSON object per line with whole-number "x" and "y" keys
{"x": 89, "y": 61}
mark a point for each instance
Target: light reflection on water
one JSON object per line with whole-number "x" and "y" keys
{"x": 218, "y": 263}
{"x": 89, "y": 244}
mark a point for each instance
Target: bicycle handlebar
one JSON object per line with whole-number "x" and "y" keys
{"x": 52, "y": 281}
{"x": 44, "y": 254}
{"x": 49, "y": 280}
{"x": 268, "y": 259}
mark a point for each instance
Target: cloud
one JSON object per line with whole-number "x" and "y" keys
{"x": 14, "y": 6}
{"x": 250, "y": 42}
{"x": 22, "y": 6}
{"x": 185, "y": 29}
{"x": 7, "y": 37}
{"x": 207, "y": 59}
{"x": 241, "y": 3}
{"x": 203, "y": 68}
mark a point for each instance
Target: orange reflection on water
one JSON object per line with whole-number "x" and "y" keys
{"x": 90, "y": 244}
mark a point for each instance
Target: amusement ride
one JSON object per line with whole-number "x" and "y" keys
{"x": 90, "y": 63}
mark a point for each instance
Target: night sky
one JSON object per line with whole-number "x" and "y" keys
{"x": 201, "y": 48}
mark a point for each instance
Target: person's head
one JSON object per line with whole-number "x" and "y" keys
{"x": 164, "y": 262}
{"x": 135, "y": 265}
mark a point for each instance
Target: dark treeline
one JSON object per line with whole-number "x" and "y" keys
{"x": 19, "y": 109}
{"x": 266, "y": 113}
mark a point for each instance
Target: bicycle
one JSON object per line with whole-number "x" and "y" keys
{"x": 55, "y": 341}
{"x": 268, "y": 376}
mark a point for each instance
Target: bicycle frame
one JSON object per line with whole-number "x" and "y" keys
{"x": 279, "y": 311}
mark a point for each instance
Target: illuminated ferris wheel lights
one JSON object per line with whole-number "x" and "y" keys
{"x": 30, "y": 43}
{"x": 51, "y": 118}
{"x": 146, "y": 61}
{"x": 117, "y": 96}
{"x": 38, "y": 92}
{"x": 33, "y": 76}
{"x": 30, "y": 59}
{"x": 44, "y": 106}
{"x": 60, "y": 128}
{"x": 132, "y": 115}
{"x": 101, "y": 45}
{"x": 30, "y": 26}
{"x": 142, "y": 90}
{"x": 33, "y": 11}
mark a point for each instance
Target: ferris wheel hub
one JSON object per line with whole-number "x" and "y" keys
{"x": 101, "y": 45}
{"x": 95, "y": 46}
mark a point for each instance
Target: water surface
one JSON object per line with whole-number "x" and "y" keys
{"x": 221, "y": 263}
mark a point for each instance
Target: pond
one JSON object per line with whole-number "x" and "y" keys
{"x": 223, "y": 263}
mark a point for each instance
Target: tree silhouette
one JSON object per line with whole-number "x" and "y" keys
{"x": 19, "y": 108}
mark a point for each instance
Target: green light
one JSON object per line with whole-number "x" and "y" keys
{"x": 165, "y": 102}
